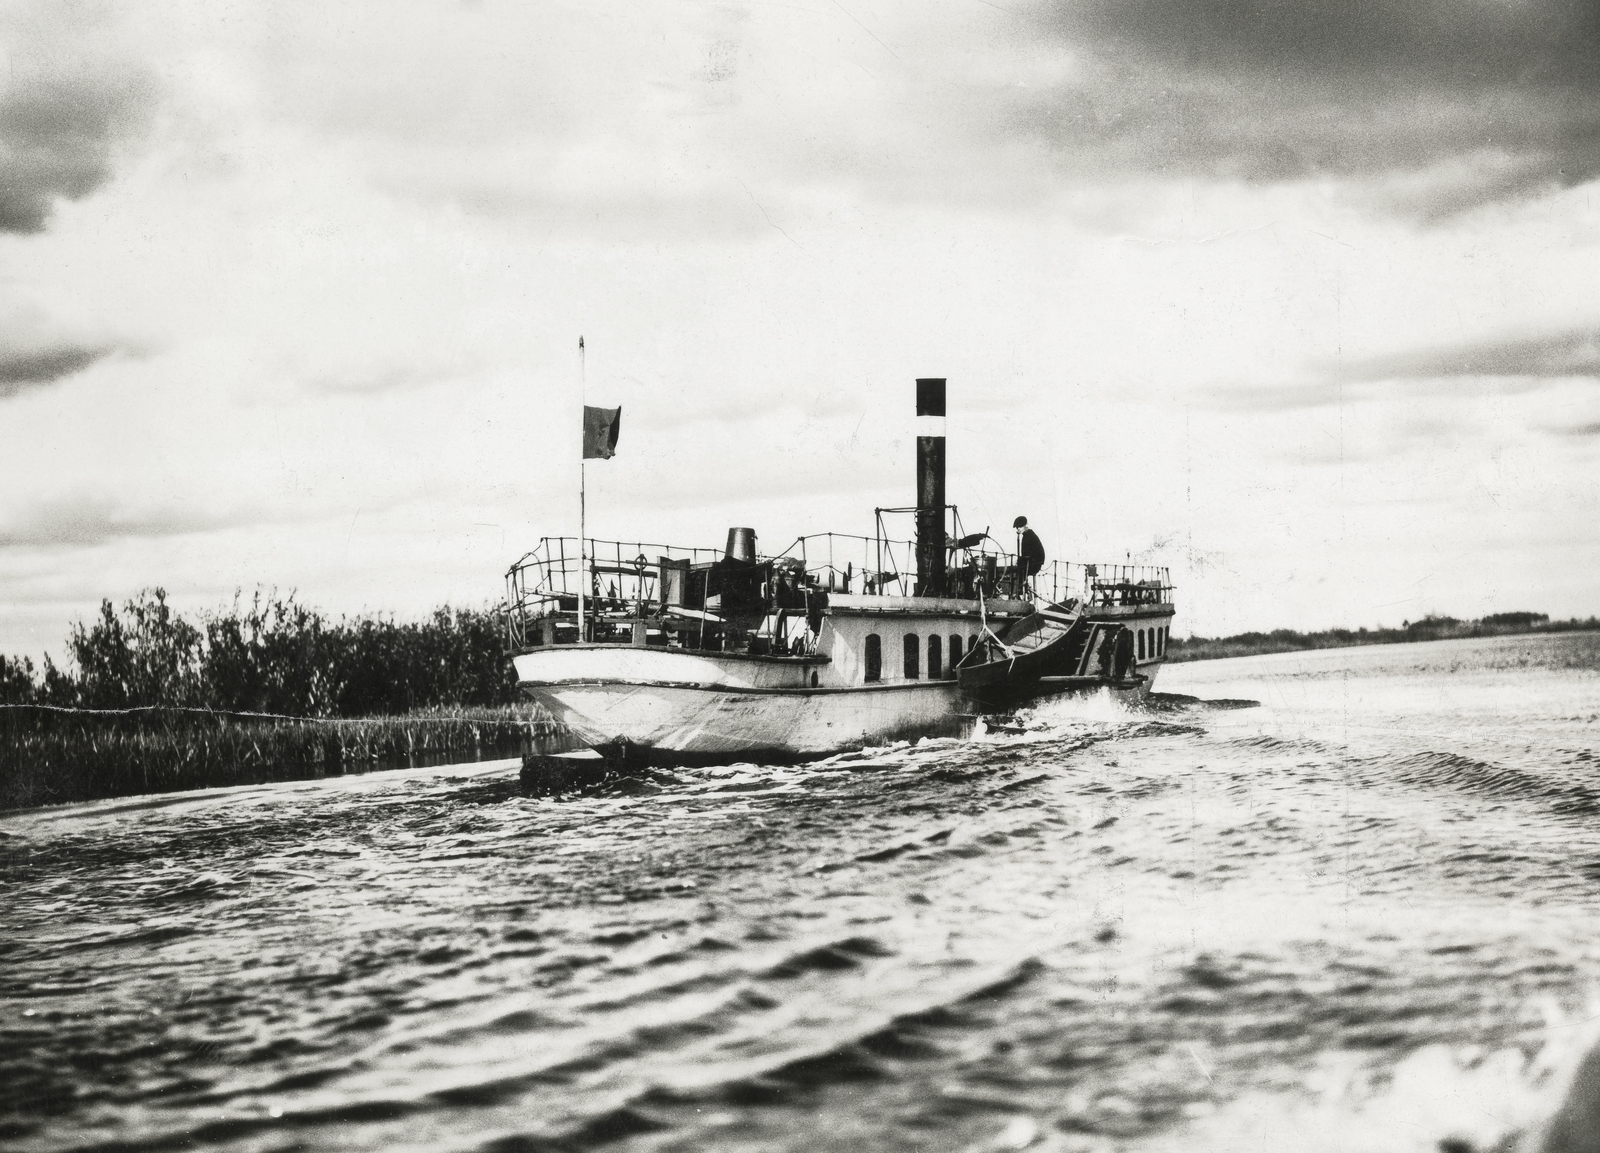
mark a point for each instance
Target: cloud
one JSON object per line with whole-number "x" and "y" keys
{"x": 1449, "y": 43}
{"x": 388, "y": 377}
{"x": 1511, "y": 365}
{"x": 94, "y": 519}
{"x": 1502, "y": 99}
{"x": 1327, "y": 392}
{"x": 22, "y": 369}
{"x": 57, "y": 138}
{"x": 1572, "y": 352}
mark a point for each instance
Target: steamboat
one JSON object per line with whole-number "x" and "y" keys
{"x": 664, "y": 655}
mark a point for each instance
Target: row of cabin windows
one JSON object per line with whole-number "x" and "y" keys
{"x": 1151, "y": 643}
{"x": 911, "y": 654}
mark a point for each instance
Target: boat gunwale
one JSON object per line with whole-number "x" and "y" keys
{"x": 702, "y": 654}
{"x": 734, "y": 690}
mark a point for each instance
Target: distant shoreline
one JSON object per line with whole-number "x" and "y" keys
{"x": 1427, "y": 629}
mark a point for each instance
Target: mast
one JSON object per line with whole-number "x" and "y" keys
{"x": 583, "y": 476}
{"x": 930, "y": 487}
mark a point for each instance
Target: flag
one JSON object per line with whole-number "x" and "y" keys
{"x": 600, "y": 428}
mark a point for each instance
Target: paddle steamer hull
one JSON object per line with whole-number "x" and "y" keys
{"x": 687, "y": 724}
{"x": 667, "y": 706}
{"x": 671, "y": 705}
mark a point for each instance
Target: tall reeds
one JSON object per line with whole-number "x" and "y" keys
{"x": 265, "y": 689}
{"x": 53, "y": 755}
{"x": 271, "y": 654}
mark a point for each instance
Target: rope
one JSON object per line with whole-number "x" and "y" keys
{"x": 408, "y": 718}
{"x": 983, "y": 619}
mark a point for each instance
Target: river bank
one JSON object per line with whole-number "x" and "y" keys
{"x": 51, "y": 755}
{"x": 1428, "y": 629}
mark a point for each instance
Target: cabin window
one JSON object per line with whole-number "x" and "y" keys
{"x": 955, "y": 652}
{"x": 1141, "y": 644}
{"x": 913, "y": 647}
{"x": 972, "y": 642}
{"x": 1161, "y": 642}
{"x": 935, "y": 661}
{"x": 874, "y": 658}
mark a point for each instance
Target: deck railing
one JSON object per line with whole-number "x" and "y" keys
{"x": 864, "y": 565}
{"x": 1104, "y": 584}
{"x": 624, "y": 578}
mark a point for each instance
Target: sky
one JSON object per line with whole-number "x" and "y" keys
{"x": 1297, "y": 298}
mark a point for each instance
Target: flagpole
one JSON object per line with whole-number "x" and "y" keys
{"x": 583, "y": 476}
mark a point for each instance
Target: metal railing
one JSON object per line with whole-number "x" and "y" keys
{"x": 864, "y": 565}
{"x": 624, "y": 578}
{"x": 1104, "y": 584}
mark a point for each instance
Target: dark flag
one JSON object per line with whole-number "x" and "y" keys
{"x": 600, "y": 428}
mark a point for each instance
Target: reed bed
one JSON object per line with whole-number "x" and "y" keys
{"x": 51, "y": 755}
{"x": 271, "y": 654}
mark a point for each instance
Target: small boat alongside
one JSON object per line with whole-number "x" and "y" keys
{"x": 667, "y": 655}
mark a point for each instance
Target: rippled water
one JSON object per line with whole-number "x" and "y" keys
{"x": 1360, "y": 916}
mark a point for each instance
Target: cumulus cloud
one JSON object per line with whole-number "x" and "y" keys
{"x": 391, "y": 377}
{"x": 1500, "y": 98}
{"x": 1444, "y": 43}
{"x": 57, "y": 138}
{"x": 22, "y": 369}
{"x": 1511, "y": 365}
{"x": 93, "y": 519}
{"x": 1572, "y": 352}
{"x": 39, "y": 346}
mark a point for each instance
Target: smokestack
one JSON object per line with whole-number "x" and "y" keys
{"x": 930, "y": 487}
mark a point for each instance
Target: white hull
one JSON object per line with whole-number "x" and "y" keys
{"x": 720, "y": 724}
{"x": 674, "y": 705}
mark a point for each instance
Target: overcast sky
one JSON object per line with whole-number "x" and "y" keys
{"x": 1301, "y": 297}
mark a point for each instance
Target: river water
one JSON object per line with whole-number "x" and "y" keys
{"x": 1363, "y": 915}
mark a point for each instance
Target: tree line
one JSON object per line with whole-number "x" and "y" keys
{"x": 1429, "y": 628}
{"x": 270, "y": 654}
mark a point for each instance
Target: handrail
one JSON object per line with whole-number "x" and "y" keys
{"x": 622, "y": 577}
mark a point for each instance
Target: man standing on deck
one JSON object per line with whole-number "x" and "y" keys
{"x": 1030, "y": 552}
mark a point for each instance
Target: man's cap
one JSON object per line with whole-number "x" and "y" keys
{"x": 1020, "y": 522}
